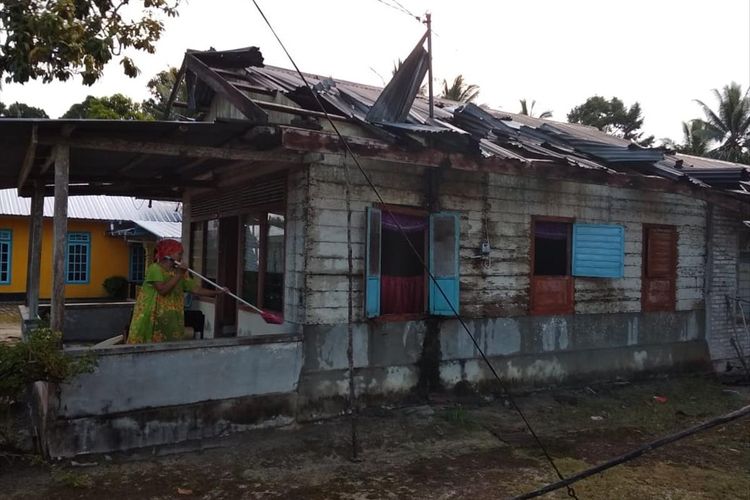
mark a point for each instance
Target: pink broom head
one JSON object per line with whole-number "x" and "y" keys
{"x": 272, "y": 317}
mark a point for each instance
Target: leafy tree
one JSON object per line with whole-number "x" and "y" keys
{"x": 612, "y": 117}
{"x": 459, "y": 90}
{"x": 53, "y": 39}
{"x": 21, "y": 110}
{"x": 160, "y": 88}
{"x": 729, "y": 125}
{"x": 115, "y": 107}
{"x": 528, "y": 110}
{"x": 695, "y": 139}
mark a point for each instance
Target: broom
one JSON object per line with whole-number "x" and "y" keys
{"x": 268, "y": 316}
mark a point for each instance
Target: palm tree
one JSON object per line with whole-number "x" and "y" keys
{"x": 459, "y": 90}
{"x": 730, "y": 123}
{"x": 529, "y": 110}
{"x": 695, "y": 139}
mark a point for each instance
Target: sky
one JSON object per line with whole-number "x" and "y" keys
{"x": 661, "y": 53}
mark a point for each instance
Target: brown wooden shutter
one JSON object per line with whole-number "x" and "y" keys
{"x": 262, "y": 193}
{"x": 659, "y": 268}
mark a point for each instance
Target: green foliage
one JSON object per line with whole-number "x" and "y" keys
{"x": 528, "y": 110}
{"x": 39, "y": 358}
{"x": 459, "y": 90}
{"x": 21, "y": 110}
{"x": 116, "y": 287}
{"x": 611, "y": 116}
{"x": 160, "y": 87}
{"x": 115, "y": 107}
{"x": 54, "y": 39}
{"x": 729, "y": 125}
{"x": 695, "y": 139}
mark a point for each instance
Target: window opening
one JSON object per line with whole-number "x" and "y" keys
{"x": 402, "y": 287}
{"x": 78, "y": 258}
{"x": 6, "y": 244}
{"x": 551, "y": 248}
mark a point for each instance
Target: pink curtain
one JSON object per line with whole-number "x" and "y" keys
{"x": 401, "y": 295}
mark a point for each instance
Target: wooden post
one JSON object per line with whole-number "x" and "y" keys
{"x": 62, "y": 167}
{"x": 34, "y": 263}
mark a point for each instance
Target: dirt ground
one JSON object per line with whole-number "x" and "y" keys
{"x": 456, "y": 447}
{"x": 10, "y": 323}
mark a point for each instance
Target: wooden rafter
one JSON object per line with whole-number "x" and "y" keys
{"x": 220, "y": 85}
{"x": 183, "y": 150}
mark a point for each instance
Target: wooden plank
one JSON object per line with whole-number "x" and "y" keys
{"x": 62, "y": 168}
{"x": 34, "y": 262}
{"x": 170, "y": 149}
{"x": 221, "y": 86}
{"x": 28, "y": 160}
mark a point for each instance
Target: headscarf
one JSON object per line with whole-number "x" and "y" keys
{"x": 165, "y": 248}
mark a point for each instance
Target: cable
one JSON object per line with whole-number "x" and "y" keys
{"x": 571, "y": 491}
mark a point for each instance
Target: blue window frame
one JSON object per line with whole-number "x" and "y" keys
{"x": 6, "y": 251}
{"x": 78, "y": 258}
{"x": 137, "y": 268}
{"x": 445, "y": 233}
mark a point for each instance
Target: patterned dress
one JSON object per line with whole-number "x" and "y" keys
{"x": 156, "y": 317}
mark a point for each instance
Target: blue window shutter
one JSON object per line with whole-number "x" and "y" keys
{"x": 445, "y": 232}
{"x": 598, "y": 250}
{"x": 372, "y": 263}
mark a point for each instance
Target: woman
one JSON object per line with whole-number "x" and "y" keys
{"x": 159, "y": 314}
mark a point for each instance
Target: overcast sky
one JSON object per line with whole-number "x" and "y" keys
{"x": 662, "y": 53}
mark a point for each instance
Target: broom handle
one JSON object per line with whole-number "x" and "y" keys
{"x": 216, "y": 285}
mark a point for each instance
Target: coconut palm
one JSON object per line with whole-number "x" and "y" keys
{"x": 729, "y": 125}
{"x": 460, "y": 91}
{"x": 528, "y": 110}
{"x": 695, "y": 139}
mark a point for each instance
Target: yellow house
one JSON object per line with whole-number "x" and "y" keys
{"x": 107, "y": 236}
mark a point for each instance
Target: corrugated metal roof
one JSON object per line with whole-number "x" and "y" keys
{"x": 119, "y": 208}
{"x": 162, "y": 229}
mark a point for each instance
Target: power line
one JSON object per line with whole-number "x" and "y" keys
{"x": 425, "y": 267}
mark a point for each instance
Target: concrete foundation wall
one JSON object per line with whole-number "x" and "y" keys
{"x": 154, "y": 394}
{"x": 392, "y": 358}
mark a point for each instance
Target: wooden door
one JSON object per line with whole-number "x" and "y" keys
{"x": 659, "y": 268}
{"x": 226, "y": 308}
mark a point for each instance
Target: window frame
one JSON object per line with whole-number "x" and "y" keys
{"x": 87, "y": 244}
{"x": 535, "y": 281}
{"x": 131, "y": 261}
{"x": 262, "y": 214}
{"x": 7, "y": 241}
{"x": 415, "y": 212}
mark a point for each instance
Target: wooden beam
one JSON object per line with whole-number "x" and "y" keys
{"x": 173, "y": 94}
{"x": 60, "y": 232}
{"x": 28, "y": 160}
{"x": 182, "y": 150}
{"x": 34, "y": 263}
{"x": 221, "y": 86}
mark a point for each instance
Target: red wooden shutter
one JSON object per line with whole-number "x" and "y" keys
{"x": 659, "y": 269}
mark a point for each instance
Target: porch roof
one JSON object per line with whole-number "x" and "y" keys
{"x": 155, "y": 160}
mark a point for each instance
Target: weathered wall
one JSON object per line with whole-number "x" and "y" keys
{"x": 724, "y": 259}
{"x": 497, "y": 207}
{"x": 608, "y": 334}
{"x": 146, "y": 395}
{"x": 94, "y": 322}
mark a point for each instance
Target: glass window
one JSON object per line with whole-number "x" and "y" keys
{"x": 6, "y": 243}
{"x": 137, "y": 263}
{"x": 78, "y": 258}
{"x": 273, "y": 286}
{"x": 212, "y": 249}
{"x": 251, "y": 258}
{"x": 197, "y": 244}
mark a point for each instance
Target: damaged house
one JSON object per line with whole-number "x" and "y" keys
{"x": 570, "y": 254}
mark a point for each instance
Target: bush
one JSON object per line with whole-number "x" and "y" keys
{"x": 116, "y": 287}
{"x": 40, "y": 358}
